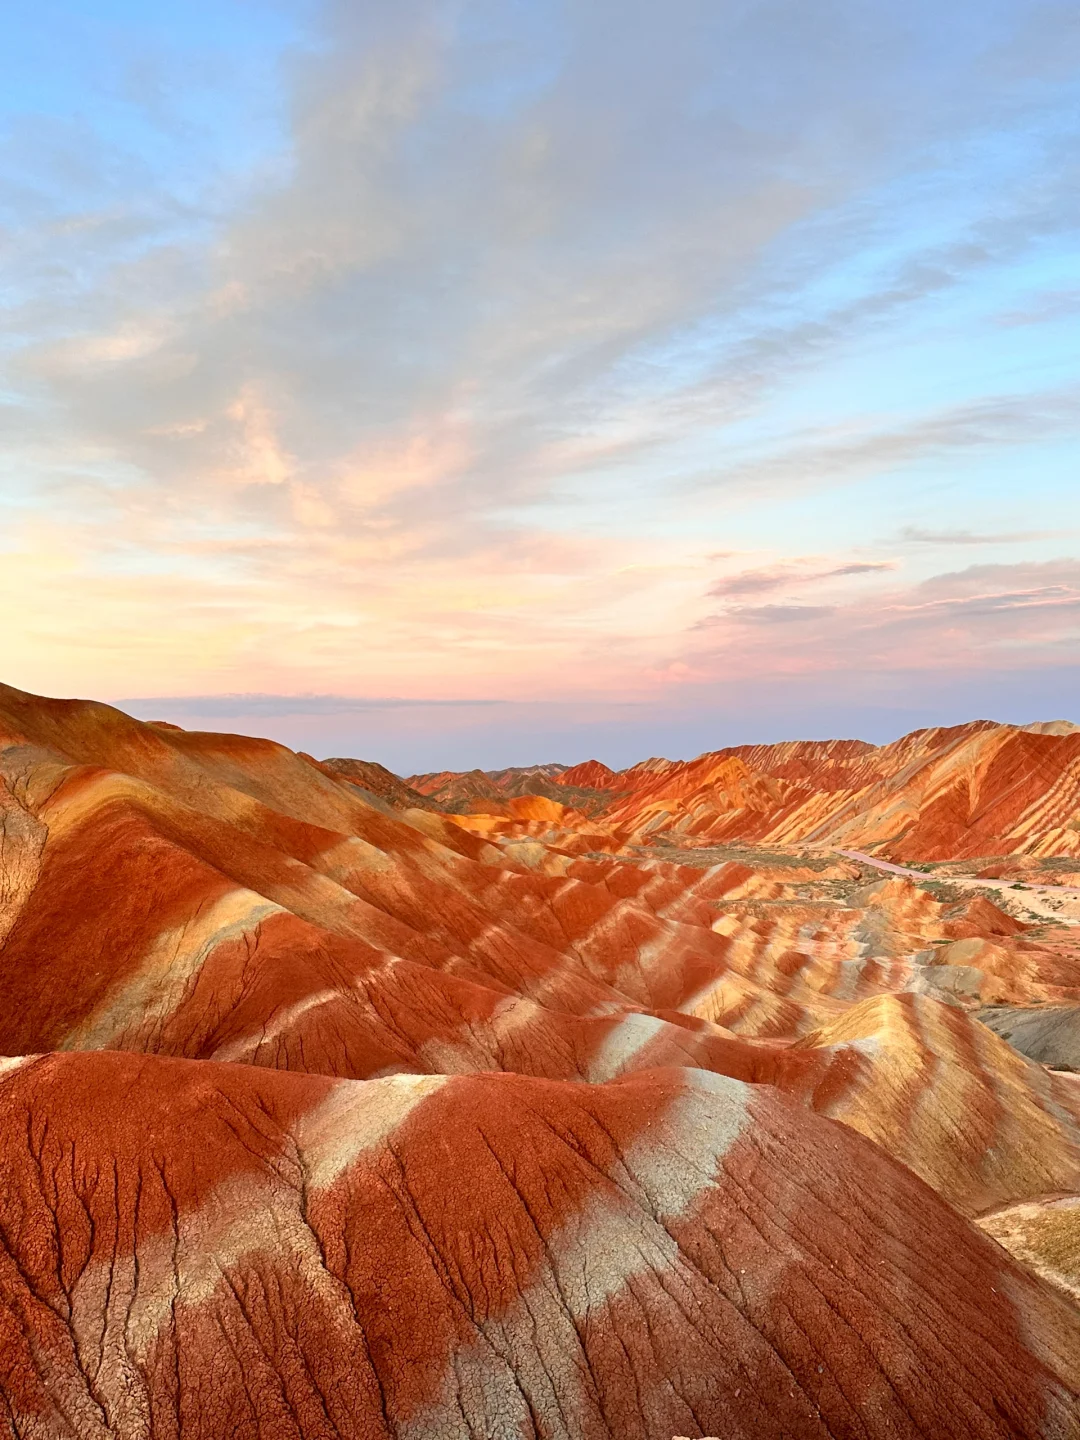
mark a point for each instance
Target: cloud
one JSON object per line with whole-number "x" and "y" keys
{"x": 259, "y": 457}
{"x": 1049, "y": 307}
{"x": 208, "y": 706}
{"x": 916, "y": 535}
{"x": 791, "y": 574}
{"x": 995, "y": 602}
{"x": 781, "y": 614}
{"x": 435, "y": 256}
{"x": 815, "y": 458}
{"x": 979, "y": 619}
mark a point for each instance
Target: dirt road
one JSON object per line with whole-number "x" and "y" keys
{"x": 1049, "y": 902}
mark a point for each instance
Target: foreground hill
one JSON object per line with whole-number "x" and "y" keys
{"x": 326, "y": 1116}
{"x": 973, "y": 790}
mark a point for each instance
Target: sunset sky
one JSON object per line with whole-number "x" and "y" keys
{"x": 484, "y": 383}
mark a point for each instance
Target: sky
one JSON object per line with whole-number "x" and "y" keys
{"x": 459, "y": 384}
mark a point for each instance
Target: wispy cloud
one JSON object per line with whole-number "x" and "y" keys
{"x": 1050, "y": 307}
{"x": 816, "y": 458}
{"x": 793, "y": 574}
{"x": 995, "y": 602}
{"x": 977, "y": 619}
{"x": 916, "y": 535}
{"x": 781, "y": 614}
{"x": 211, "y": 706}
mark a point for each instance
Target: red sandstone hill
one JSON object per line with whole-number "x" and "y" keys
{"x": 973, "y": 790}
{"x": 376, "y": 780}
{"x": 515, "y": 780}
{"x": 489, "y": 791}
{"x": 328, "y": 1118}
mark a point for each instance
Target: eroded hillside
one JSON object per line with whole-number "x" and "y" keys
{"x": 974, "y": 790}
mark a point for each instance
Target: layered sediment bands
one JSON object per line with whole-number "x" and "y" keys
{"x": 215, "y": 1249}
{"x": 979, "y": 1122}
{"x": 330, "y": 1115}
{"x": 22, "y": 839}
{"x": 943, "y": 794}
{"x": 376, "y": 780}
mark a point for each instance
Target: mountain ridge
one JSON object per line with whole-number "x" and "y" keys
{"x": 937, "y": 793}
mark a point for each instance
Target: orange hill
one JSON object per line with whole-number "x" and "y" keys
{"x": 973, "y": 790}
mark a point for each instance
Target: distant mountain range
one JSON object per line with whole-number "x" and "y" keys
{"x": 980, "y": 789}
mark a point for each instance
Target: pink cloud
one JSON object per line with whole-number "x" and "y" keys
{"x": 976, "y": 619}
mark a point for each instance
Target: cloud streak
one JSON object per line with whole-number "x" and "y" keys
{"x": 816, "y": 458}
{"x": 916, "y": 535}
{"x": 791, "y": 575}
{"x": 973, "y": 620}
{"x": 216, "y": 706}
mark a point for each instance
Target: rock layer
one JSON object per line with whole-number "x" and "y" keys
{"x": 215, "y": 1249}
{"x": 973, "y": 790}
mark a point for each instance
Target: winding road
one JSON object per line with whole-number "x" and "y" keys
{"x": 1058, "y": 903}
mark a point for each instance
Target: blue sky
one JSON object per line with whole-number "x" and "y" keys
{"x": 581, "y": 378}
